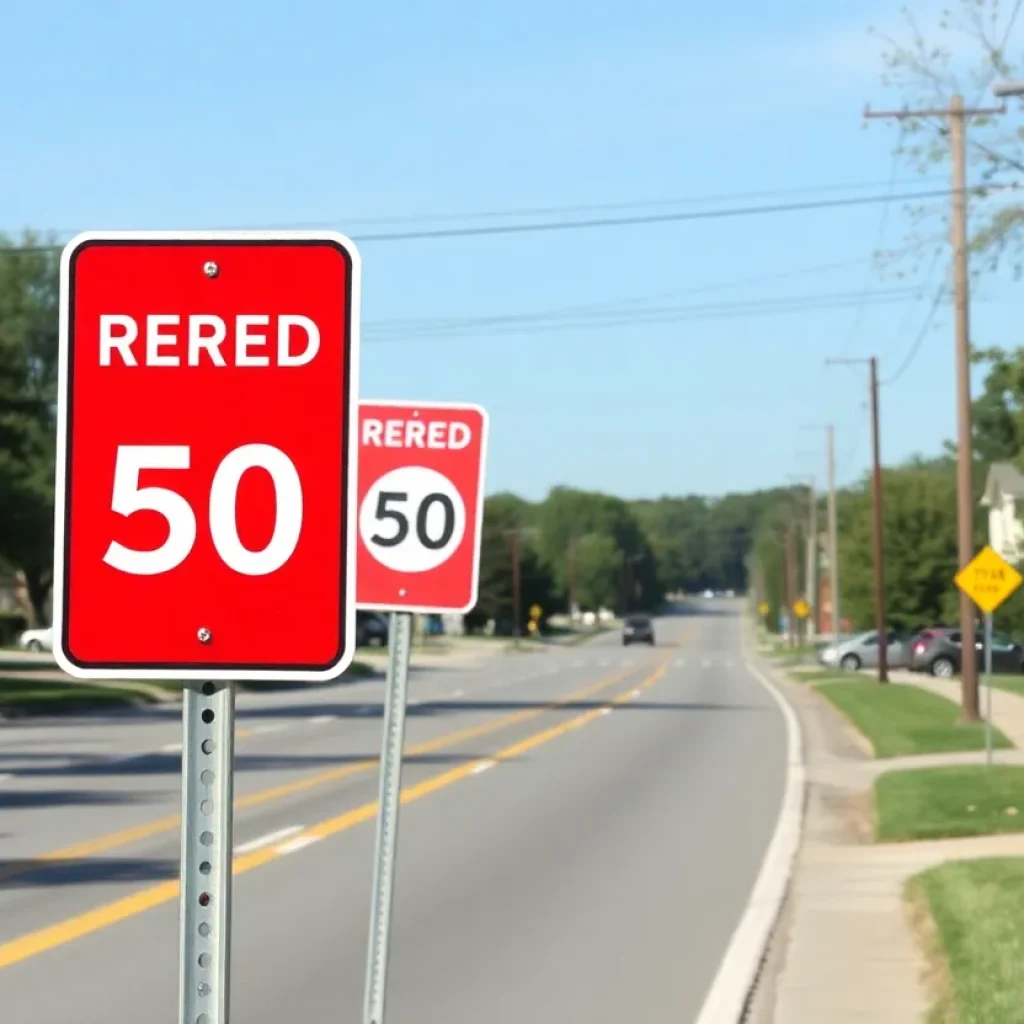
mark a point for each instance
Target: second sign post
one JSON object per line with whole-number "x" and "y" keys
{"x": 421, "y": 486}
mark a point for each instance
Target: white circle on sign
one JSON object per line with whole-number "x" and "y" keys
{"x": 412, "y": 519}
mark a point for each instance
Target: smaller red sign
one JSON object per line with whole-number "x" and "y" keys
{"x": 421, "y": 498}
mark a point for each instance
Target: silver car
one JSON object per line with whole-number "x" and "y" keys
{"x": 861, "y": 651}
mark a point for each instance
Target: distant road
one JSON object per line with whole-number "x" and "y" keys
{"x": 569, "y": 864}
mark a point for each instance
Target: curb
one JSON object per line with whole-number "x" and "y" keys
{"x": 728, "y": 999}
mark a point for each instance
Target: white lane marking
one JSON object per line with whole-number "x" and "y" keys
{"x": 5, "y": 777}
{"x": 706, "y": 663}
{"x": 171, "y": 748}
{"x": 298, "y": 843}
{"x": 271, "y": 837}
{"x": 271, "y": 728}
{"x": 320, "y": 719}
{"x": 458, "y": 693}
{"x": 738, "y": 972}
{"x": 578, "y": 663}
{"x": 628, "y": 661}
{"x": 483, "y": 766}
{"x": 680, "y": 662}
{"x": 606, "y": 711}
{"x": 603, "y": 663}
{"x": 729, "y": 663}
{"x": 634, "y": 693}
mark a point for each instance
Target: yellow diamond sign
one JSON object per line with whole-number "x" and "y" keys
{"x": 988, "y": 580}
{"x": 801, "y": 609}
{"x": 763, "y": 608}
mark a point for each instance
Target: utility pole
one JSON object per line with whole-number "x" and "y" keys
{"x": 790, "y": 578}
{"x": 513, "y": 543}
{"x": 876, "y": 503}
{"x": 833, "y": 526}
{"x": 833, "y": 535}
{"x": 955, "y": 116}
{"x": 572, "y": 574}
{"x": 811, "y": 566}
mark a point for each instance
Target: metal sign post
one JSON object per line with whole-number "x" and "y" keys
{"x": 988, "y": 688}
{"x": 207, "y": 799}
{"x": 399, "y": 644}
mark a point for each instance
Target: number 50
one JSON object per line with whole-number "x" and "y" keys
{"x": 129, "y": 497}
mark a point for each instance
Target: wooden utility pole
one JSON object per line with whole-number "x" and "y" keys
{"x": 833, "y": 535}
{"x": 790, "y": 580}
{"x": 876, "y": 512}
{"x": 572, "y": 574}
{"x": 955, "y": 116}
{"x": 513, "y": 543}
{"x": 876, "y": 492}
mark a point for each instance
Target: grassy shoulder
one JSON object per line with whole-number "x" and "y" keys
{"x": 939, "y": 803}
{"x": 28, "y": 695}
{"x": 976, "y": 943}
{"x": 901, "y": 720}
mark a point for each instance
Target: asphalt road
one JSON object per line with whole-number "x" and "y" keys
{"x": 580, "y": 832}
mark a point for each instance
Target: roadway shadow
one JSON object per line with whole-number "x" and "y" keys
{"x": 32, "y": 873}
{"x": 168, "y": 764}
{"x": 15, "y": 801}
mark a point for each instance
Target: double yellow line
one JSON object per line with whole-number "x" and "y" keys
{"x": 119, "y": 910}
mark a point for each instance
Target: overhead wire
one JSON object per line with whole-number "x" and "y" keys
{"x": 536, "y": 227}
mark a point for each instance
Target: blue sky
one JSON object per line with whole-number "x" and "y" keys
{"x": 312, "y": 113}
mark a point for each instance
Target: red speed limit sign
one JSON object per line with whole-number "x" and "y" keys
{"x": 421, "y": 493}
{"x": 206, "y": 449}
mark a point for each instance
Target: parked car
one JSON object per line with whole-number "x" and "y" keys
{"x": 36, "y": 639}
{"x": 371, "y": 630}
{"x": 861, "y": 651}
{"x": 637, "y": 629}
{"x": 939, "y": 650}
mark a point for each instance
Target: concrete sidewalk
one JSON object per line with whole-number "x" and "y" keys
{"x": 844, "y": 951}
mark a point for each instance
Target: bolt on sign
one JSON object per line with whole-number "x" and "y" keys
{"x": 536, "y": 612}
{"x": 421, "y": 494}
{"x": 988, "y": 579}
{"x": 801, "y": 609}
{"x": 206, "y": 455}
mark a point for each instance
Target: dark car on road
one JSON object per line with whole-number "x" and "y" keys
{"x": 371, "y": 630}
{"x": 938, "y": 650}
{"x": 637, "y": 629}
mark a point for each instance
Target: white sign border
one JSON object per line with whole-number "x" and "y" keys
{"x": 485, "y": 419}
{"x": 351, "y": 455}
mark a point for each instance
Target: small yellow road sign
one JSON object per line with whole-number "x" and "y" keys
{"x": 801, "y": 609}
{"x": 764, "y": 608}
{"x": 535, "y": 612}
{"x": 988, "y": 580}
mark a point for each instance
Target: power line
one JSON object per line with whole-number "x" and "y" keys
{"x": 919, "y": 340}
{"x": 559, "y": 320}
{"x": 537, "y": 227}
{"x": 858, "y": 316}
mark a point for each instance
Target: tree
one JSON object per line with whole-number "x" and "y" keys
{"x": 926, "y": 68}
{"x": 920, "y": 539}
{"x": 28, "y": 374}
{"x": 598, "y": 571}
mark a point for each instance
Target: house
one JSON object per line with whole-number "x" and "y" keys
{"x": 1004, "y": 497}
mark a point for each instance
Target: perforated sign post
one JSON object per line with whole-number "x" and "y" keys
{"x": 421, "y": 491}
{"x": 205, "y": 526}
{"x": 988, "y": 580}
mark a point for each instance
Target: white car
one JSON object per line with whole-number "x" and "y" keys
{"x": 36, "y": 639}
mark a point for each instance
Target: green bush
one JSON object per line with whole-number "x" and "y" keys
{"x": 12, "y": 625}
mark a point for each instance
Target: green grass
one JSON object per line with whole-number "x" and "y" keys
{"x": 38, "y": 696}
{"x": 937, "y": 803}
{"x": 978, "y": 911}
{"x": 822, "y": 675}
{"x": 901, "y": 720}
{"x": 1012, "y": 684}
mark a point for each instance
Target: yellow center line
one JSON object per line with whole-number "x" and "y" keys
{"x": 170, "y": 823}
{"x": 145, "y": 899}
